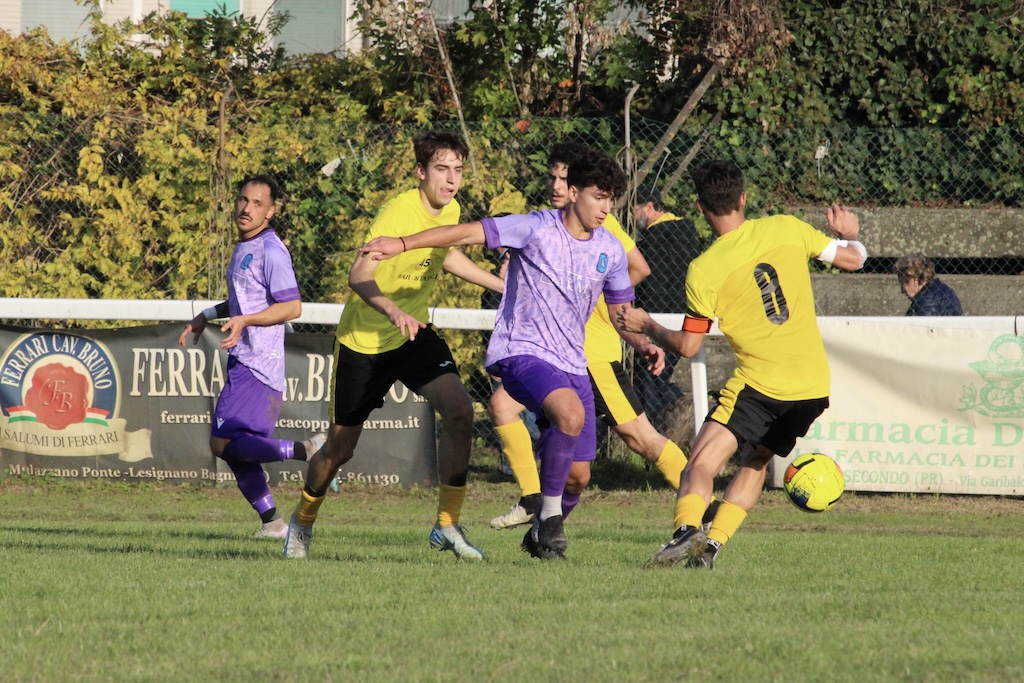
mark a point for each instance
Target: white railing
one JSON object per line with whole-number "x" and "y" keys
{"x": 450, "y": 318}
{"x": 184, "y": 310}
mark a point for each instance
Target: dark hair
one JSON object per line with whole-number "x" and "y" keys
{"x": 917, "y": 266}
{"x": 649, "y": 193}
{"x": 593, "y": 168}
{"x": 719, "y": 184}
{"x": 565, "y": 153}
{"x": 261, "y": 179}
{"x": 427, "y": 145}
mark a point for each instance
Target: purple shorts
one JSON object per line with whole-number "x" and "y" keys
{"x": 529, "y": 380}
{"x": 246, "y": 406}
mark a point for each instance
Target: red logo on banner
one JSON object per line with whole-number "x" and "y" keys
{"x": 58, "y": 396}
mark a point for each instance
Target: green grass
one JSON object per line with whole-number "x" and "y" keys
{"x": 129, "y": 582}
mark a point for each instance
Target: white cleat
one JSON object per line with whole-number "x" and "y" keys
{"x": 517, "y": 516}
{"x": 454, "y": 538}
{"x": 296, "y": 540}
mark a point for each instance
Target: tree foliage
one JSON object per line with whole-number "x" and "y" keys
{"x": 119, "y": 153}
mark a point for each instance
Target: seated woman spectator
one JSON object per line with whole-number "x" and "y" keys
{"x": 928, "y": 295}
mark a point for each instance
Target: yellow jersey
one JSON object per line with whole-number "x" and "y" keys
{"x": 755, "y": 280}
{"x": 407, "y": 279}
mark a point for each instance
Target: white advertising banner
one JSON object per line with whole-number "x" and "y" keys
{"x": 932, "y": 405}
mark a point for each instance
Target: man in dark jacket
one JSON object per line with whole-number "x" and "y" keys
{"x": 669, "y": 243}
{"x": 928, "y": 295}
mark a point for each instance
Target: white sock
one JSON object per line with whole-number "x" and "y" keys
{"x": 550, "y": 506}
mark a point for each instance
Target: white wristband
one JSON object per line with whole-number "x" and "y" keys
{"x": 210, "y": 313}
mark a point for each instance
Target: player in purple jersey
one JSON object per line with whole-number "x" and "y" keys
{"x": 262, "y": 296}
{"x": 562, "y": 261}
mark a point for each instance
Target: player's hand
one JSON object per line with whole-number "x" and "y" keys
{"x": 633, "y": 319}
{"x": 406, "y": 323}
{"x": 503, "y": 260}
{"x": 194, "y": 327}
{"x": 655, "y": 357}
{"x": 843, "y": 223}
{"x": 233, "y": 327}
{"x": 381, "y": 248}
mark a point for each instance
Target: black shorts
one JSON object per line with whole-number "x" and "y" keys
{"x": 757, "y": 419}
{"x": 360, "y": 381}
{"x": 615, "y": 400}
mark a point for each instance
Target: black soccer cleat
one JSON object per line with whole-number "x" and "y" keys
{"x": 546, "y": 540}
{"x": 707, "y": 559}
{"x": 687, "y": 544}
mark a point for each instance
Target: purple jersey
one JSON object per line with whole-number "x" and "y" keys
{"x": 553, "y": 283}
{"x": 261, "y": 274}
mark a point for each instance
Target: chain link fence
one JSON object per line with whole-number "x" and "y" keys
{"x": 108, "y": 207}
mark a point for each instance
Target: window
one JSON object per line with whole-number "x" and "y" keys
{"x": 200, "y": 8}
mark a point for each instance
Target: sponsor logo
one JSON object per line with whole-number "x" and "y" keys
{"x": 1001, "y": 392}
{"x": 60, "y": 395}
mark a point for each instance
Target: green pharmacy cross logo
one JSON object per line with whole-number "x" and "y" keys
{"x": 1003, "y": 372}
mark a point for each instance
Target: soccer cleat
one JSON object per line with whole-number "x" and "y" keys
{"x": 709, "y": 515}
{"x": 296, "y": 540}
{"x": 546, "y": 539}
{"x": 517, "y": 516}
{"x": 314, "y": 444}
{"x": 707, "y": 558}
{"x": 276, "y": 529}
{"x": 453, "y": 537}
{"x": 687, "y": 544}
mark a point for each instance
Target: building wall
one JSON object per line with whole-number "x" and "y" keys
{"x": 315, "y": 25}
{"x": 10, "y": 16}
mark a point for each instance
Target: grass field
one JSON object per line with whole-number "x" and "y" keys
{"x": 124, "y": 582}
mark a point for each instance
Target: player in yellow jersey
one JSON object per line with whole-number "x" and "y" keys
{"x": 383, "y": 337}
{"x": 754, "y": 279}
{"x": 615, "y": 401}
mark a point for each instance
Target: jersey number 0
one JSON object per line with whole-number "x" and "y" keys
{"x": 774, "y": 300}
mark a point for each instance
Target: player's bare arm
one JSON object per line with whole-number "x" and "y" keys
{"x": 685, "y": 342}
{"x": 362, "y": 282}
{"x": 274, "y": 314}
{"x": 461, "y": 266}
{"x": 845, "y": 225}
{"x": 639, "y": 269}
{"x": 463, "y": 234}
{"x": 651, "y": 352}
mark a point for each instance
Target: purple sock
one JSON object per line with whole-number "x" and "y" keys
{"x": 569, "y": 501}
{"x": 555, "y": 450}
{"x": 252, "y": 482}
{"x": 258, "y": 449}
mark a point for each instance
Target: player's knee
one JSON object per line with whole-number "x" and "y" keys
{"x": 458, "y": 415}
{"x": 503, "y": 410}
{"x": 569, "y": 421}
{"x": 577, "y": 482}
{"x": 217, "y": 446}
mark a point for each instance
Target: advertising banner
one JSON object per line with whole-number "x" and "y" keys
{"x": 919, "y": 408}
{"x": 131, "y": 404}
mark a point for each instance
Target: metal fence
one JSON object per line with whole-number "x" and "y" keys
{"x": 68, "y": 186}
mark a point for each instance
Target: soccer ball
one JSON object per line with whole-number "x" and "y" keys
{"x": 814, "y": 482}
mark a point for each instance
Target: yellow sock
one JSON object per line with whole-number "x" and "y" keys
{"x": 449, "y": 504}
{"x": 670, "y": 463}
{"x": 689, "y": 510}
{"x": 727, "y": 521}
{"x": 518, "y": 448}
{"x": 307, "y": 509}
